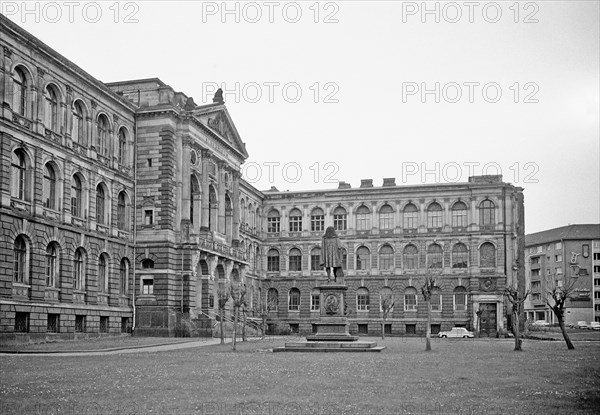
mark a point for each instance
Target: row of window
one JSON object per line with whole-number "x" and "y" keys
{"x": 22, "y": 105}
{"x": 53, "y": 323}
{"x": 22, "y": 188}
{"x": 410, "y": 217}
{"x": 22, "y": 267}
{"x": 363, "y": 299}
{"x": 410, "y": 257}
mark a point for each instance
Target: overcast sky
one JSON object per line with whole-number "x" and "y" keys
{"x": 361, "y": 69}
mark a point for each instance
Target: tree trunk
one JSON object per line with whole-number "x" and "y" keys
{"x": 244, "y": 325}
{"x": 221, "y": 327}
{"x": 383, "y": 329}
{"x": 561, "y": 324}
{"x": 235, "y": 321}
{"x": 264, "y": 326}
{"x": 517, "y": 331}
{"x": 428, "y": 331}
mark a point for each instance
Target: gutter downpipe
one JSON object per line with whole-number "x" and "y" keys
{"x": 134, "y": 222}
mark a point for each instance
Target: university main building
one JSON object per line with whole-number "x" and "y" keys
{"x": 122, "y": 207}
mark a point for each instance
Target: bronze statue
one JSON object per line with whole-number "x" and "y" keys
{"x": 331, "y": 254}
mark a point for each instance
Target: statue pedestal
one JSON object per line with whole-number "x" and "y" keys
{"x": 333, "y": 324}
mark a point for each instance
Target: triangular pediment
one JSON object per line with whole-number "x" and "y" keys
{"x": 216, "y": 118}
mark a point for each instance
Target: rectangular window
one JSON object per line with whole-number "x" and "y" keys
{"x": 294, "y": 328}
{"x": 272, "y": 263}
{"x": 21, "y": 322}
{"x": 435, "y": 328}
{"x": 315, "y": 262}
{"x": 596, "y": 282}
{"x": 386, "y": 220}
{"x": 362, "y": 301}
{"x": 363, "y": 329}
{"x": 103, "y": 324}
{"x": 317, "y": 223}
{"x": 436, "y": 302}
{"x": 294, "y": 304}
{"x": 558, "y": 245}
{"x": 559, "y": 271}
{"x": 273, "y": 225}
{"x": 148, "y": 286}
{"x": 149, "y": 162}
{"x": 539, "y": 249}
{"x": 410, "y": 220}
{"x": 596, "y": 256}
{"x": 363, "y": 221}
{"x": 434, "y": 219}
{"x": 295, "y": 263}
{"x": 315, "y": 302}
{"x": 339, "y": 222}
{"x": 558, "y": 258}
{"x": 459, "y": 218}
{"x": 460, "y": 302}
{"x": 52, "y": 323}
{"x": 410, "y": 302}
{"x": 295, "y": 223}
{"x": 148, "y": 217}
{"x": 79, "y": 324}
{"x": 387, "y": 329}
{"x": 411, "y": 329}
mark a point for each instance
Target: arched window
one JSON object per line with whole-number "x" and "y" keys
{"x": 203, "y": 265}
{"x": 410, "y": 217}
{"x": 339, "y": 219}
{"x": 102, "y": 274}
{"x": 20, "y": 175}
{"x": 435, "y": 258}
{"x": 102, "y": 135}
{"x": 51, "y": 108}
{"x": 459, "y": 215}
{"x": 250, "y": 215}
{"x": 294, "y": 300}
{"x": 51, "y": 265}
{"x": 20, "y": 267}
{"x": 317, "y": 220}
{"x": 411, "y": 257}
{"x": 363, "y": 218}
{"x": 386, "y": 300}
{"x": 76, "y": 196}
{"x": 362, "y": 299}
{"x": 410, "y": 299}
{"x": 228, "y": 216}
{"x": 122, "y": 211}
{"x": 220, "y": 272}
{"x": 235, "y": 275}
{"x": 460, "y": 299}
{"x": 436, "y": 299}
{"x": 315, "y": 259}
{"x": 386, "y": 217}
{"x": 242, "y": 212}
{"x": 147, "y": 264}
{"x": 487, "y": 211}
{"x": 386, "y": 258}
{"x": 49, "y": 188}
{"x": 295, "y": 220}
{"x": 295, "y": 257}
{"x": 434, "y": 216}
{"x": 20, "y": 92}
{"x": 273, "y": 260}
{"x": 79, "y": 276}
{"x": 124, "y": 276}
{"x": 344, "y": 259}
{"x": 194, "y": 198}
{"x": 273, "y": 221}
{"x": 122, "y": 153}
{"x": 100, "y": 204}
{"x": 363, "y": 258}
{"x": 272, "y": 299}
{"x": 77, "y": 134}
{"x": 257, "y": 259}
{"x": 460, "y": 256}
{"x": 487, "y": 255}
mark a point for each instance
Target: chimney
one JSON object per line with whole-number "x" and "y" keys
{"x": 366, "y": 183}
{"x": 344, "y": 185}
{"x": 389, "y": 181}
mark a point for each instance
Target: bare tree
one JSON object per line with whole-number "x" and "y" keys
{"x": 559, "y": 291}
{"x": 427, "y": 290}
{"x": 387, "y": 304}
{"x": 263, "y": 312}
{"x": 516, "y": 299}
{"x": 223, "y": 298}
{"x": 237, "y": 294}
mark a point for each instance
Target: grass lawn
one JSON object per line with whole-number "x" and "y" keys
{"x": 458, "y": 377}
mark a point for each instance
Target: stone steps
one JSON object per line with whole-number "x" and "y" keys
{"x": 323, "y": 346}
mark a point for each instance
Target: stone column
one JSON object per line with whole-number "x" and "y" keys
{"x": 6, "y": 87}
{"x": 39, "y": 108}
{"x": 204, "y": 201}
{"x": 185, "y": 179}
{"x": 235, "y": 234}
{"x": 221, "y": 197}
{"x": 68, "y": 115}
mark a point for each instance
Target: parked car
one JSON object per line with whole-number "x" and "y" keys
{"x": 540, "y": 323}
{"x": 456, "y": 332}
{"x": 594, "y": 325}
{"x": 581, "y": 325}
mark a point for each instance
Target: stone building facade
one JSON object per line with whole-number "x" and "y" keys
{"x": 568, "y": 254}
{"x": 122, "y": 207}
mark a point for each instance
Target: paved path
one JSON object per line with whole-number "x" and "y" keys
{"x": 126, "y": 350}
